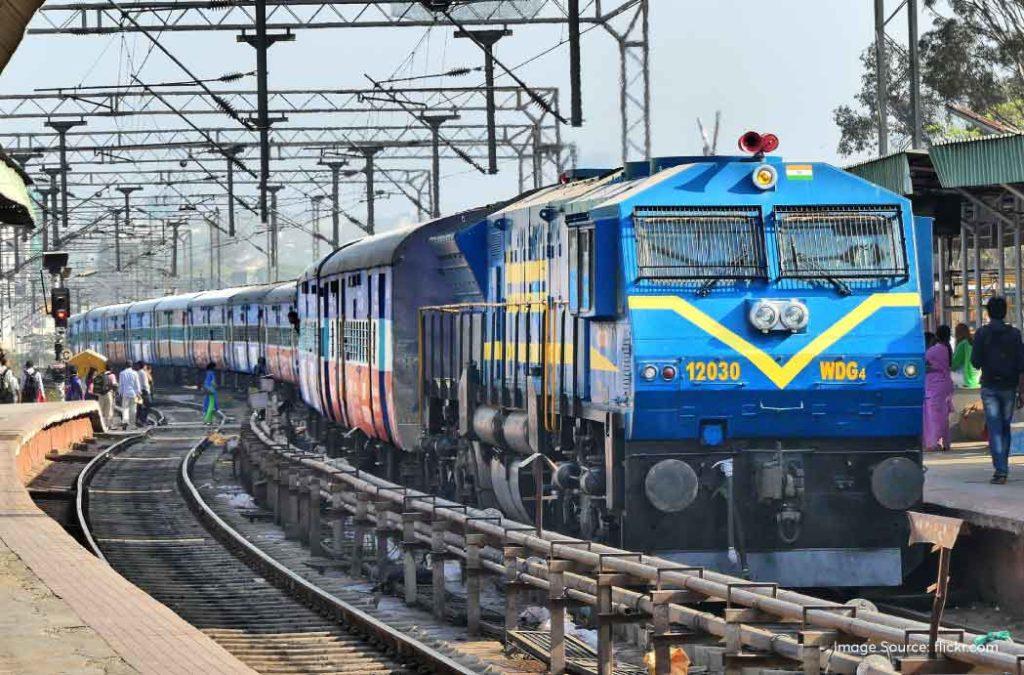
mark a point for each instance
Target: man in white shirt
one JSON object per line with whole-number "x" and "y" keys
{"x": 129, "y": 387}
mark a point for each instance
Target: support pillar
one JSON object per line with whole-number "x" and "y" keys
{"x": 338, "y": 514}
{"x": 556, "y": 605}
{"x": 605, "y": 661}
{"x": 438, "y": 555}
{"x": 512, "y": 586}
{"x": 434, "y": 121}
{"x": 316, "y": 544}
{"x": 281, "y": 511}
{"x": 359, "y": 543}
{"x": 261, "y": 41}
{"x": 335, "y": 168}
{"x": 62, "y": 127}
{"x": 369, "y": 151}
{"x": 272, "y": 235}
{"x": 381, "y": 532}
{"x": 882, "y": 79}
{"x": 486, "y": 39}
{"x": 409, "y": 547}
{"x": 474, "y": 572}
{"x": 292, "y": 526}
{"x": 231, "y": 154}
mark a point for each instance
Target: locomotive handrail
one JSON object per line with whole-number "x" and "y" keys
{"x": 788, "y": 605}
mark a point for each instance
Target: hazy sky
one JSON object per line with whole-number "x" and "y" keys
{"x": 779, "y": 66}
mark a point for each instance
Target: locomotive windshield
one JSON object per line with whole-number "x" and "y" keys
{"x": 681, "y": 243}
{"x": 840, "y": 242}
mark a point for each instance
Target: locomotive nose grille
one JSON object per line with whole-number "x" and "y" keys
{"x": 681, "y": 243}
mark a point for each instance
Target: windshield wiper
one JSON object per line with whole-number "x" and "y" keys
{"x": 705, "y": 288}
{"x": 841, "y": 287}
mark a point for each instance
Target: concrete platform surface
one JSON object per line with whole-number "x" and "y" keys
{"x": 957, "y": 483}
{"x": 62, "y": 610}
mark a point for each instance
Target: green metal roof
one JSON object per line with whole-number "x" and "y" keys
{"x": 989, "y": 160}
{"x": 891, "y": 172}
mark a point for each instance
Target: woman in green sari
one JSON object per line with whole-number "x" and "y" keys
{"x": 962, "y": 358}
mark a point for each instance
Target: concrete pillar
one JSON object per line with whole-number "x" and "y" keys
{"x": 556, "y": 605}
{"x": 512, "y": 585}
{"x": 409, "y": 547}
{"x": 302, "y": 501}
{"x": 474, "y": 571}
{"x": 281, "y": 512}
{"x": 339, "y": 515}
{"x": 316, "y": 543}
{"x": 381, "y": 531}
{"x": 604, "y": 626}
{"x": 291, "y": 524}
{"x": 358, "y": 545}
{"x": 438, "y": 554}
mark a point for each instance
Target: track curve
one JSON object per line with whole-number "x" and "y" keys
{"x": 139, "y": 516}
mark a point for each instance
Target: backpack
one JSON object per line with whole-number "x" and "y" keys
{"x": 6, "y": 392}
{"x": 1002, "y": 358}
{"x": 100, "y": 384}
{"x": 31, "y": 391}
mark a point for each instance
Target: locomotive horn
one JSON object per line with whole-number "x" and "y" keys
{"x": 751, "y": 142}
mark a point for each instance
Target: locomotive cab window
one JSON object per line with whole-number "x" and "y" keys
{"x": 581, "y": 270}
{"x": 699, "y": 243}
{"x": 840, "y": 242}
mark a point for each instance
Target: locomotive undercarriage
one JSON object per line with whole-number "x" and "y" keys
{"x": 748, "y": 502}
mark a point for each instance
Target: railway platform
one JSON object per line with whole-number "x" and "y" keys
{"x": 61, "y": 609}
{"x": 957, "y": 484}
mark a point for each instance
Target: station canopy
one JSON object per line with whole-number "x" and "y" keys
{"x": 16, "y": 206}
{"x": 14, "y": 17}
{"x": 979, "y": 171}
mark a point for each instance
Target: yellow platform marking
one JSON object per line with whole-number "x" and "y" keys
{"x": 780, "y": 375}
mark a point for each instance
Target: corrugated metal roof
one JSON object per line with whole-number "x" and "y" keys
{"x": 891, "y": 172}
{"x": 989, "y": 160}
{"x": 14, "y": 17}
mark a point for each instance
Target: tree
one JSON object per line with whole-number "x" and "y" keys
{"x": 974, "y": 58}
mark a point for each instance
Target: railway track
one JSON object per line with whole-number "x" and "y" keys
{"x": 140, "y": 511}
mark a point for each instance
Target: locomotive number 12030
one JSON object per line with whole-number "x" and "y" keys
{"x": 713, "y": 371}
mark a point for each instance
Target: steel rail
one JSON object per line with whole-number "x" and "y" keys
{"x": 402, "y": 644}
{"x": 82, "y": 489}
{"x": 787, "y": 605}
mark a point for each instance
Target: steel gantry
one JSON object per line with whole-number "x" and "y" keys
{"x": 626, "y": 21}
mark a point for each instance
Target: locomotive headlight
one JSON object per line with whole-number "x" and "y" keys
{"x": 763, "y": 316}
{"x": 892, "y": 369}
{"x": 765, "y": 177}
{"x": 649, "y": 372}
{"x": 910, "y": 370}
{"x": 795, "y": 316}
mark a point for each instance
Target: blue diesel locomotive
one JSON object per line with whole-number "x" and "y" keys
{"x": 718, "y": 359}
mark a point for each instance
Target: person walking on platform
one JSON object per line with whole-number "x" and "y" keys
{"x": 104, "y": 388}
{"x": 10, "y": 389}
{"x": 129, "y": 387}
{"x": 938, "y": 390}
{"x": 146, "y": 395}
{"x": 74, "y": 390}
{"x": 999, "y": 353}
{"x": 32, "y": 390}
{"x": 210, "y": 407}
{"x": 970, "y": 377}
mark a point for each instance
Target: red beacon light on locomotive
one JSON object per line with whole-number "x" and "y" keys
{"x": 765, "y": 176}
{"x": 758, "y": 144}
